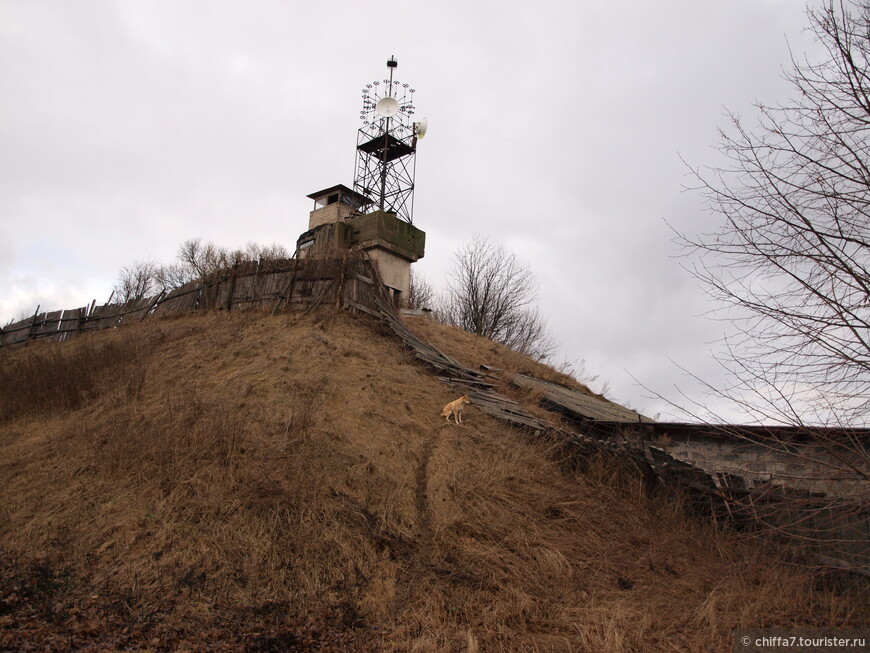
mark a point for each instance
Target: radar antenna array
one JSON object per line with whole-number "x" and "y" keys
{"x": 387, "y": 146}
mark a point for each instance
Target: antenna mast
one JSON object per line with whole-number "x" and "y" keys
{"x": 387, "y": 146}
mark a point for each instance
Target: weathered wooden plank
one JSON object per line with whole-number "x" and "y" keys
{"x": 151, "y": 305}
{"x": 244, "y": 290}
{"x": 179, "y": 300}
{"x": 473, "y": 382}
{"x": 18, "y": 332}
{"x": 17, "y": 337}
{"x": 43, "y": 324}
{"x": 324, "y": 289}
{"x": 423, "y": 354}
{"x": 431, "y": 353}
{"x": 437, "y": 366}
{"x": 107, "y": 316}
{"x": 70, "y": 322}
{"x": 286, "y": 295}
{"x": 131, "y": 311}
{"x": 490, "y": 395}
{"x": 23, "y": 325}
{"x": 577, "y": 403}
{"x": 515, "y": 419}
{"x": 502, "y": 408}
{"x": 96, "y": 316}
{"x": 360, "y": 277}
{"x": 361, "y": 308}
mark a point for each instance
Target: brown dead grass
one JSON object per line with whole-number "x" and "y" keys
{"x": 48, "y": 380}
{"x": 288, "y": 481}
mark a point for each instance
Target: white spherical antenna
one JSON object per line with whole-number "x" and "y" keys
{"x": 387, "y": 107}
{"x": 421, "y": 127}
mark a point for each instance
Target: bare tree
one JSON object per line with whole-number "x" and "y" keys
{"x": 257, "y": 252}
{"x": 173, "y": 275}
{"x": 420, "y": 292}
{"x": 202, "y": 260}
{"x": 136, "y": 281}
{"x": 492, "y": 295}
{"x": 20, "y": 316}
{"x": 793, "y": 255}
{"x": 791, "y": 266}
{"x": 194, "y": 261}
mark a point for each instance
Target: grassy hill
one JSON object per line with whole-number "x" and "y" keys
{"x": 244, "y": 482}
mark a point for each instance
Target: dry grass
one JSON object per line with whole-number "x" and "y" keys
{"x": 274, "y": 481}
{"x": 47, "y": 378}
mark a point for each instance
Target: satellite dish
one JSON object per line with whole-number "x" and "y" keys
{"x": 421, "y": 127}
{"x": 387, "y": 107}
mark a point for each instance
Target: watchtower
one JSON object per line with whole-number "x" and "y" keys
{"x": 377, "y": 213}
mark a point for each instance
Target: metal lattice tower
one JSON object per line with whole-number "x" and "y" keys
{"x": 387, "y": 146}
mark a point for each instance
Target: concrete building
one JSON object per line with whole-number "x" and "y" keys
{"x": 339, "y": 222}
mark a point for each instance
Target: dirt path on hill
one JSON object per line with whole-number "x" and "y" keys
{"x": 424, "y": 513}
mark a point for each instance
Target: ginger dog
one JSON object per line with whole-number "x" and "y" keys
{"x": 455, "y": 408}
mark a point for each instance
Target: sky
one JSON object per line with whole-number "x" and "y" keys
{"x": 557, "y": 129}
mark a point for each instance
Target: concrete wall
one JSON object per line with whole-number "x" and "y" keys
{"x": 393, "y": 244}
{"x": 808, "y": 466}
{"x": 385, "y": 230}
{"x": 395, "y": 271}
{"x": 324, "y": 240}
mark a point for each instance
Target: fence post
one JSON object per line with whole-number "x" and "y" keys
{"x": 231, "y": 289}
{"x": 33, "y": 323}
{"x": 287, "y": 295}
{"x": 151, "y": 306}
{"x": 340, "y": 294}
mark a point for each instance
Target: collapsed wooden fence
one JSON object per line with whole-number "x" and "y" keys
{"x": 348, "y": 281}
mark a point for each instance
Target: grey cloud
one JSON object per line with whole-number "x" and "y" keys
{"x": 128, "y": 127}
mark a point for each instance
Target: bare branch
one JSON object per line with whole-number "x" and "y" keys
{"x": 791, "y": 262}
{"x": 136, "y": 281}
{"x": 420, "y": 292}
{"x": 492, "y": 295}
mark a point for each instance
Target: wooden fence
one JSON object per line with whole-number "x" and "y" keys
{"x": 347, "y": 281}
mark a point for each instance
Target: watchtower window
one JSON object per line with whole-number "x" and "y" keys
{"x": 339, "y": 195}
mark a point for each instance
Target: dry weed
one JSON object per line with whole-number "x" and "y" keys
{"x": 279, "y": 479}
{"x": 47, "y": 378}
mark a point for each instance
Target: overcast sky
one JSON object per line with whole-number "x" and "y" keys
{"x": 555, "y": 128}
